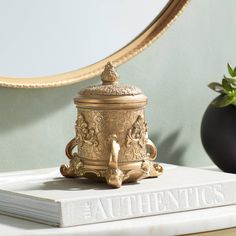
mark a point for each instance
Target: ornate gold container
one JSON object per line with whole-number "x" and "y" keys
{"x": 111, "y": 134}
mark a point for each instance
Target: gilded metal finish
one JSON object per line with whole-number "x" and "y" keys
{"x": 160, "y": 24}
{"x": 111, "y": 138}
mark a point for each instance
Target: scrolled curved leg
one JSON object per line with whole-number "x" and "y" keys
{"x": 152, "y": 168}
{"x": 75, "y": 166}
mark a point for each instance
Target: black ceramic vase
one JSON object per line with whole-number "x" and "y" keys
{"x": 218, "y": 134}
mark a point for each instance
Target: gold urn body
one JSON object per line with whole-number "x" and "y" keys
{"x": 111, "y": 134}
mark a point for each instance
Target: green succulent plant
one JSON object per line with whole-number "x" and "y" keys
{"x": 227, "y": 89}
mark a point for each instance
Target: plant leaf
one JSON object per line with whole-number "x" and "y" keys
{"x": 230, "y": 70}
{"x": 230, "y": 80}
{"x": 223, "y": 101}
{"x": 226, "y": 85}
{"x": 216, "y": 87}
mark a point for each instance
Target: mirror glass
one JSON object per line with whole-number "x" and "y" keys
{"x": 47, "y": 37}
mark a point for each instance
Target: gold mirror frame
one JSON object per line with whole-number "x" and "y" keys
{"x": 142, "y": 41}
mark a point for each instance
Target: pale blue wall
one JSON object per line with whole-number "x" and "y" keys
{"x": 35, "y": 125}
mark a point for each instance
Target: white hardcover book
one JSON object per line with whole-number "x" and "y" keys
{"x": 47, "y": 197}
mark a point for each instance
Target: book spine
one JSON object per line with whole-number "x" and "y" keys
{"x": 110, "y": 208}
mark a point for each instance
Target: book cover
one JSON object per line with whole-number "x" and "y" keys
{"x": 47, "y": 197}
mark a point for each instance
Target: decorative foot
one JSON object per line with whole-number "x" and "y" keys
{"x": 152, "y": 169}
{"x": 157, "y": 170}
{"x": 73, "y": 169}
{"x": 114, "y": 177}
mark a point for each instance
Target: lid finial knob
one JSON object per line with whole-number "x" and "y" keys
{"x": 109, "y": 75}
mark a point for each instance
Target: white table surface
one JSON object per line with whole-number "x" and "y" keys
{"x": 168, "y": 224}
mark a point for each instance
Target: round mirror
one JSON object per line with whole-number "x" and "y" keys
{"x": 59, "y": 42}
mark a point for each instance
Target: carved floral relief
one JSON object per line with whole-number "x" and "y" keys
{"x": 84, "y": 134}
{"x": 136, "y": 139}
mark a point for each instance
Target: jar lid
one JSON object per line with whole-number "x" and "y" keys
{"x": 111, "y": 94}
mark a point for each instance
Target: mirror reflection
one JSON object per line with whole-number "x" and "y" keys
{"x": 40, "y": 38}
